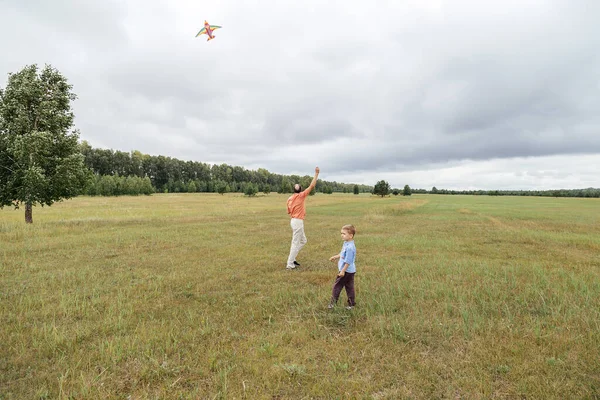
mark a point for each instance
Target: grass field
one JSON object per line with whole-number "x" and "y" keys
{"x": 186, "y": 296}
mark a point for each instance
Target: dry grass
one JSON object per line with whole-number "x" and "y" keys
{"x": 186, "y": 296}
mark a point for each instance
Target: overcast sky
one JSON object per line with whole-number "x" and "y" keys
{"x": 457, "y": 94}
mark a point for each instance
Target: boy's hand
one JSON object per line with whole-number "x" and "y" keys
{"x": 341, "y": 273}
{"x": 333, "y": 258}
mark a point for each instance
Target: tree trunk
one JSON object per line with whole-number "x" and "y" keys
{"x": 28, "y": 214}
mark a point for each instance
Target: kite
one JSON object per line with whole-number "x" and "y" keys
{"x": 208, "y": 29}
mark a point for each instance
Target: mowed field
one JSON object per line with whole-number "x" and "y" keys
{"x": 186, "y": 296}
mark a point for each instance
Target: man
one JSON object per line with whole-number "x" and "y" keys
{"x": 296, "y": 210}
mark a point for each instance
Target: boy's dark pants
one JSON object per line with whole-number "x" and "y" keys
{"x": 346, "y": 281}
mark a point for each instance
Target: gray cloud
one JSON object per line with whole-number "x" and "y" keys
{"x": 362, "y": 89}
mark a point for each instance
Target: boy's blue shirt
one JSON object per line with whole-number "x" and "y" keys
{"x": 348, "y": 255}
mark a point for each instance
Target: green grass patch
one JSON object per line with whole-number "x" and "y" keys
{"x": 187, "y": 296}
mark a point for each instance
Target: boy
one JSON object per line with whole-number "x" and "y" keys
{"x": 346, "y": 268}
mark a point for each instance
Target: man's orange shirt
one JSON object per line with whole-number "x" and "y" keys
{"x": 295, "y": 204}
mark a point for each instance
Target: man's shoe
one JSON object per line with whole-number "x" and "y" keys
{"x": 296, "y": 263}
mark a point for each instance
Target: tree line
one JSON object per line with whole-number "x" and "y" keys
{"x": 588, "y": 192}
{"x": 171, "y": 175}
{"x": 382, "y": 188}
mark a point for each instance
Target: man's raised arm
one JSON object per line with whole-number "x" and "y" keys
{"x": 314, "y": 181}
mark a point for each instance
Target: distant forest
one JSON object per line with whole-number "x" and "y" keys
{"x": 116, "y": 173}
{"x": 589, "y": 192}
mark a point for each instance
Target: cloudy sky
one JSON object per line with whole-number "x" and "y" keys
{"x": 458, "y": 94}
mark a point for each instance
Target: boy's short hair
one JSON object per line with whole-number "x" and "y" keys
{"x": 350, "y": 228}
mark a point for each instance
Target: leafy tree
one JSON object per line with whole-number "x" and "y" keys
{"x": 266, "y": 188}
{"x": 40, "y": 160}
{"x": 146, "y": 186}
{"x": 406, "y": 191}
{"x": 202, "y": 186}
{"x": 395, "y": 192}
{"x": 222, "y": 187}
{"x": 251, "y": 189}
{"x": 107, "y": 186}
{"x": 382, "y": 188}
{"x": 286, "y": 186}
{"x": 356, "y": 190}
{"x": 434, "y": 190}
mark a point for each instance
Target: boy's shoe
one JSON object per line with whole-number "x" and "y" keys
{"x": 349, "y": 307}
{"x": 288, "y": 267}
{"x": 330, "y": 306}
{"x": 296, "y": 263}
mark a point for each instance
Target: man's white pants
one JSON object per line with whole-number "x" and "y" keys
{"x": 298, "y": 240}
